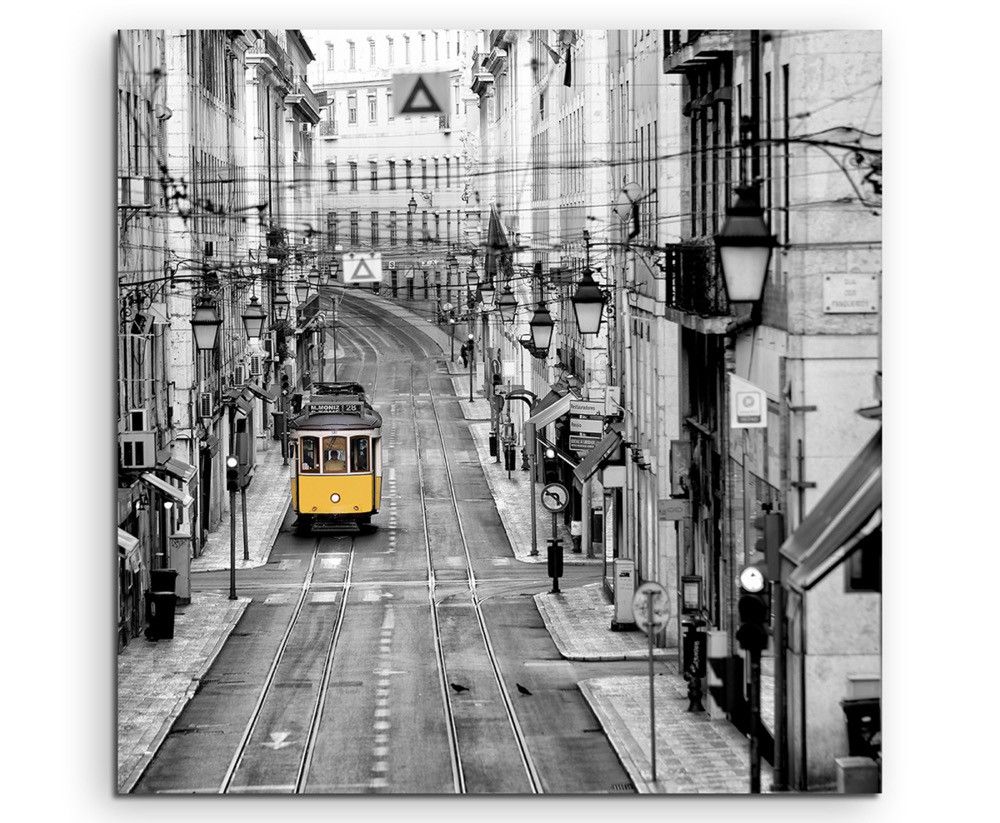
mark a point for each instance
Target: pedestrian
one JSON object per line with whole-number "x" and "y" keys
{"x": 465, "y": 355}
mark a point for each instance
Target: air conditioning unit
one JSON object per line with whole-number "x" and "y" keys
{"x": 256, "y": 366}
{"x": 137, "y": 450}
{"x": 205, "y": 405}
{"x": 138, "y": 420}
{"x": 134, "y": 192}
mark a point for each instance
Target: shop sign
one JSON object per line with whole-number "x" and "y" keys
{"x": 672, "y": 509}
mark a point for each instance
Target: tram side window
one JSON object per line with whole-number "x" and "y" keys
{"x": 360, "y": 459}
{"x": 334, "y": 455}
{"x": 309, "y": 460}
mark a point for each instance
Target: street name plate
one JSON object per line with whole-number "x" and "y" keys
{"x": 670, "y": 509}
{"x": 850, "y": 294}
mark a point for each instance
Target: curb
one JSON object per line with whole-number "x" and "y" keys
{"x": 642, "y": 785}
{"x": 544, "y": 609}
{"x": 125, "y": 786}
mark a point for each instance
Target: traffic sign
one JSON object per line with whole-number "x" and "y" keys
{"x": 748, "y": 405}
{"x": 420, "y": 94}
{"x": 362, "y": 268}
{"x": 651, "y": 606}
{"x": 555, "y": 498}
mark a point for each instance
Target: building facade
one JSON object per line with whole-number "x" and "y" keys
{"x": 397, "y": 185}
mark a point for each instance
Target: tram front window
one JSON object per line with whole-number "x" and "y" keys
{"x": 360, "y": 461}
{"x": 309, "y": 456}
{"x": 334, "y": 455}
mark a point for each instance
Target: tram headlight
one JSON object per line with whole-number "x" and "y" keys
{"x": 334, "y": 498}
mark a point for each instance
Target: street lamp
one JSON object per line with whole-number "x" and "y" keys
{"x": 472, "y": 278}
{"x": 451, "y": 322}
{"x": 205, "y": 323}
{"x": 507, "y": 304}
{"x": 541, "y": 326}
{"x": 281, "y": 304}
{"x": 411, "y": 207}
{"x": 472, "y": 362}
{"x": 487, "y": 291}
{"x": 314, "y": 278}
{"x": 745, "y": 244}
{"x": 301, "y": 290}
{"x": 253, "y": 318}
{"x": 588, "y": 304}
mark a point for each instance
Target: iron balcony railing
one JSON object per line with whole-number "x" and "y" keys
{"x": 694, "y": 280}
{"x": 328, "y": 128}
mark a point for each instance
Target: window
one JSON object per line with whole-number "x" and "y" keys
{"x": 458, "y": 44}
{"x": 409, "y": 229}
{"x": 437, "y": 227}
{"x": 392, "y": 175}
{"x": 406, "y": 48}
{"x": 437, "y": 174}
{"x": 447, "y": 172}
{"x": 309, "y": 455}
{"x": 331, "y": 229}
{"x": 353, "y": 169}
{"x": 388, "y": 103}
{"x": 447, "y": 224}
{"x": 424, "y": 235}
{"x": 352, "y": 109}
{"x": 334, "y": 454}
{"x": 352, "y": 62}
{"x": 541, "y": 105}
{"x": 423, "y": 173}
{"x": 436, "y": 57}
{"x": 373, "y": 174}
{"x": 423, "y": 48}
{"x": 389, "y": 49}
{"x": 354, "y": 228}
{"x": 330, "y": 62}
{"x": 372, "y": 108}
{"x": 392, "y": 228}
{"x": 331, "y": 171}
{"x": 360, "y": 455}
{"x": 374, "y": 219}
{"x": 371, "y": 52}
{"x": 456, "y": 96}
{"x": 409, "y": 174}
{"x": 864, "y": 566}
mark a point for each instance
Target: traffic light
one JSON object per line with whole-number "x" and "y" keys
{"x": 286, "y": 387}
{"x": 232, "y": 474}
{"x": 754, "y": 610}
{"x": 770, "y": 528}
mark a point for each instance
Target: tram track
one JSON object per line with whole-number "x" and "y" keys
{"x": 534, "y": 779}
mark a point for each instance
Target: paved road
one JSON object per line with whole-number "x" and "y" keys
{"x": 341, "y": 675}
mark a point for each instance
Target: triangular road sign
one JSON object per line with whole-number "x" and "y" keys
{"x": 416, "y": 105}
{"x": 362, "y": 268}
{"x": 363, "y": 273}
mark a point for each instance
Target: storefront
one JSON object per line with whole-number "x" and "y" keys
{"x": 130, "y": 587}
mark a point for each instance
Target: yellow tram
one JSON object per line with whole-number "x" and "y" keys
{"x": 336, "y": 442}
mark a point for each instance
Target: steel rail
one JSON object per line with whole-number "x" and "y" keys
{"x": 533, "y": 777}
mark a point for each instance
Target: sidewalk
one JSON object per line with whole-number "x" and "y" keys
{"x": 156, "y": 680}
{"x": 694, "y": 754}
{"x": 479, "y": 408}
{"x": 579, "y": 621}
{"x": 268, "y": 496}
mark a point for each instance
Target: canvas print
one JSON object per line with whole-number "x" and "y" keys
{"x": 498, "y": 411}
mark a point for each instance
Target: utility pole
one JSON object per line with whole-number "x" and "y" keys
{"x": 232, "y": 484}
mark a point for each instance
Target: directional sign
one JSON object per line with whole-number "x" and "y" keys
{"x": 585, "y": 407}
{"x": 581, "y": 443}
{"x": 417, "y": 94}
{"x": 651, "y": 606}
{"x": 362, "y": 268}
{"x": 586, "y": 425}
{"x": 555, "y": 498}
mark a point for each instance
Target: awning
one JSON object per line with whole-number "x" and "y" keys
{"x": 846, "y": 514}
{"x": 180, "y": 469}
{"x": 183, "y": 498}
{"x": 547, "y": 411}
{"x": 597, "y": 456}
{"x": 127, "y": 542}
{"x": 257, "y": 391}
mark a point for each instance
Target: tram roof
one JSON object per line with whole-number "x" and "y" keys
{"x": 368, "y": 419}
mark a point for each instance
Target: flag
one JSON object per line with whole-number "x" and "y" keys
{"x": 568, "y": 79}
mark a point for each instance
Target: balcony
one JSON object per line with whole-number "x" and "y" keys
{"x": 329, "y": 128}
{"x": 306, "y": 100}
{"x": 686, "y": 50}
{"x": 694, "y": 286}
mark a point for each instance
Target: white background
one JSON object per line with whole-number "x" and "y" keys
{"x": 940, "y": 346}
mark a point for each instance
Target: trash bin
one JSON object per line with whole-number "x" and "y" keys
{"x": 163, "y": 580}
{"x": 509, "y": 458}
{"x": 493, "y": 444}
{"x": 161, "y": 617}
{"x": 864, "y": 722}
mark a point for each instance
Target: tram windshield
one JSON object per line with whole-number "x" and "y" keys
{"x": 334, "y": 455}
{"x": 360, "y": 459}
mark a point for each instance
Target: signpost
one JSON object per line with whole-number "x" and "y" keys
{"x": 362, "y": 268}
{"x": 555, "y": 498}
{"x": 651, "y": 605}
{"x": 421, "y": 94}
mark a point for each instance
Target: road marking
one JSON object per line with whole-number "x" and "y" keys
{"x": 330, "y": 562}
{"x": 380, "y": 766}
{"x": 382, "y": 725}
{"x": 380, "y": 751}
{"x": 381, "y": 713}
{"x": 378, "y": 783}
{"x": 323, "y": 597}
{"x": 278, "y": 741}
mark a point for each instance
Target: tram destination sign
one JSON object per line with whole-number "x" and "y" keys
{"x": 335, "y": 408}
